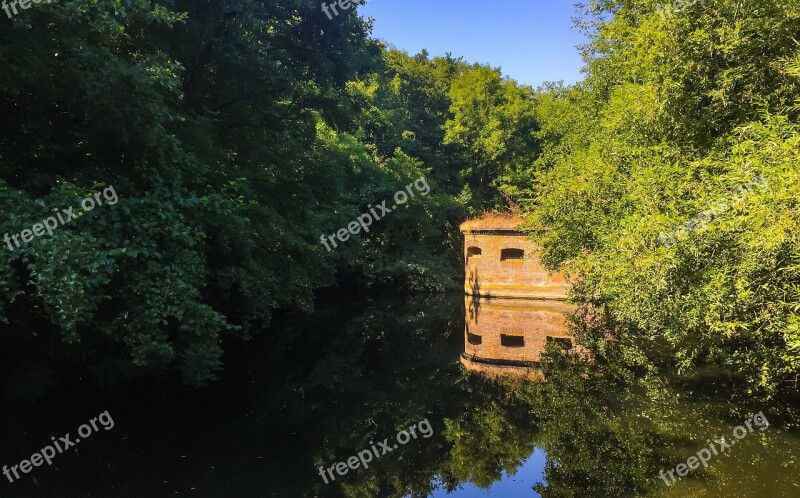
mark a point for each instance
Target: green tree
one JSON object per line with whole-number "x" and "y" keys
{"x": 676, "y": 115}
{"x": 494, "y": 122}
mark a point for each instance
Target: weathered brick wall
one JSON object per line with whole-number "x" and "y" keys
{"x": 488, "y": 275}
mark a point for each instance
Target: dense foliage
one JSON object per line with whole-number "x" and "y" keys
{"x": 235, "y": 134}
{"x": 646, "y": 162}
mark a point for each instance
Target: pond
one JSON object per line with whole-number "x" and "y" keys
{"x": 501, "y": 402}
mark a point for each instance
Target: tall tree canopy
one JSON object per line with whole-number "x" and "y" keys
{"x": 235, "y": 134}
{"x": 677, "y": 114}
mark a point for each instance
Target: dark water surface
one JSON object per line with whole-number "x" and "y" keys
{"x": 322, "y": 388}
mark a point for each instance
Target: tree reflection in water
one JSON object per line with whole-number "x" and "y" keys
{"x": 606, "y": 429}
{"x": 320, "y": 388}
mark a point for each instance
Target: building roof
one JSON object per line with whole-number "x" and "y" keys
{"x": 492, "y": 222}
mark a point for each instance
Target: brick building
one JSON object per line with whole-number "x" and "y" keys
{"x": 500, "y": 261}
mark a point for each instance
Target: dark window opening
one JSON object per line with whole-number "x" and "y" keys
{"x": 563, "y": 342}
{"x": 473, "y": 252}
{"x": 474, "y": 339}
{"x": 512, "y": 255}
{"x": 512, "y": 341}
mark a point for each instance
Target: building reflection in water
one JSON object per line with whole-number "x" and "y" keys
{"x": 508, "y": 336}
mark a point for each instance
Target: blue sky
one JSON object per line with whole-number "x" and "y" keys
{"x": 517, "y": 486}
{"x": 532, "y": 40}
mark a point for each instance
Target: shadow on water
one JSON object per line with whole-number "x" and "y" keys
{"x": 319, "y": 389}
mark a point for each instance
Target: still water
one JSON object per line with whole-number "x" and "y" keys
{"x": 506, "y": 419}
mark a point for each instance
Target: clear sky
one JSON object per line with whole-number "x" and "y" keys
{"x": 517, "y": 486}
{"x": 533, "y": 41}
